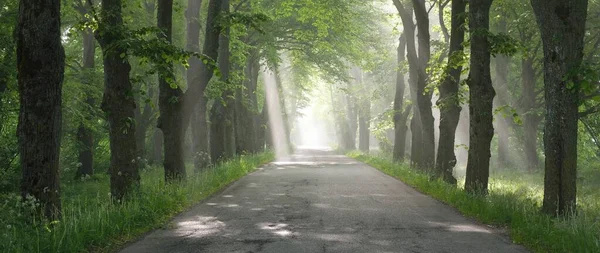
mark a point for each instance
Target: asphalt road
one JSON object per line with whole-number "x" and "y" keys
{"x": 316, "y": 201}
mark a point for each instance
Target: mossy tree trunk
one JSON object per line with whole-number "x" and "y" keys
{"x": 449, "y": 101}
{"x": 405, "y": 11}
{"x": 222, "y": 132}
{"x": 118, "y": 102}
{"x": 199, "y": 122}
{"x": 562, "y": 25}
{"x": 170, "y": 102}
{"x": 400, "y": 116}
{"x": 424, "y": 94}
{"x": 481, "y": 97}
{"x": 40, "y": 66}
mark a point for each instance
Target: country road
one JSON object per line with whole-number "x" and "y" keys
{"x": 317, "y": 201}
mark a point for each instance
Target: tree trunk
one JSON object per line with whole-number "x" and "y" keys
{"x": 259, "y": 145}
{"x": 144, "y": 116}
{"x": 423, "y": 94}
{"x": 157, "y": 147}
{"x": 449, "y": 101}
{"x": 562, "y": 25}
{"x": 481, "y": 95}
{"x": 211, "y": 50}
{"x": 363, "y": 126}
{"x": 200, "y": 130}
{"x": 85, "y": 136}
{"x": 200, "y": 136}
{"x": 416, "y": 154}
{"x": 222, "y": 133}
{"x": 284, "y": 112}
{"x": 261, "y": 122}
{"x": 246, "y": 109}
{"x": 400, "y": 118}
{"x": 143, "y": 120}
{"x": 502, "y": 68}
{"x": 169, "y": 100}
{"x": 501, "y": 127}
{"x": 416, "y": 138}
{"x": 118, "y": 103}
{"x": 530, "y": 119}
{"x": 352, "y": 122}
{"x": 40, "y": 66}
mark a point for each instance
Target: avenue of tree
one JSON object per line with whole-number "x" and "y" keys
{"x": 117, "y": 85}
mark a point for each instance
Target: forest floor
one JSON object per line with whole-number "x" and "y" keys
{"x": 317, "y": 201}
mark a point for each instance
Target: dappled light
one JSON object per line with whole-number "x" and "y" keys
{"x": 199, "y": 226}
{"x": 461, "y": 227}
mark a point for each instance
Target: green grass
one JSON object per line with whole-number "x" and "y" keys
{"x": 513, "y": 203}
{"x": 92, "y": 223}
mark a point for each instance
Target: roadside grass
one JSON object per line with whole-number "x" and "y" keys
{"x": 513, "y": 203}
{"x": 92, "y": 223}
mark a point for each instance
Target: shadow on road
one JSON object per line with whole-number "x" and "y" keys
{"x": 317, "y": 201}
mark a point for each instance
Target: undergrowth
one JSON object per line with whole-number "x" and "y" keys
{"x": 513, "y": 203}
{"x": 91, "y": 222}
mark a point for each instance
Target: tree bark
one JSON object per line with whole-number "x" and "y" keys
{"x": 201, "y": 135}
{"x": 530, "y": 119}
{"x": 200, "y": 130}
{"x": 184, "y": 105}
{"x": 40, "y": 66}
{"x": 118, "y": 102}
{"x": 481, "y": 95}
{"x": 416, "y": 138}
{"x": 449, "y": 101}
{"x": 169, "y": 100}
{"x": 284, "y": 111}
{"x": 85, "y": 136}
{"x": 352, "y": 121}
{"x": 246, "y": 109}
{"x": 256, "y": 117}
{"x": 562, "y": 26}
{"x": 416, "y": 154}
{"x": 206, "y": 72}
{"x": 424, "y": 95}
{"x": 157, "y": 147}
{"x": 143, "y": 119}
{"x": 222, "y": 133}
{"x": 261, "y": 120}
{"x": 400, "y": 117}
{"x": 144, "y": 116}
{"x": 363, "y": 126}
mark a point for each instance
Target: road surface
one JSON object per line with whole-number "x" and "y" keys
{"x": 316, "y": 201}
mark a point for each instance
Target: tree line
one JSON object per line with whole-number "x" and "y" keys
{"x": 181, "y": 81}
{"x": 199, "y": 86}
{"x": 553, "y": 48}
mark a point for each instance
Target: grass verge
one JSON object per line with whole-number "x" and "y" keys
{"x": 508, "y": 205}
{"x": 92, "y": 223}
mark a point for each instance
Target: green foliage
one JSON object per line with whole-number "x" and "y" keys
{"x": 159, "y": 52}
{"x": 9, "y": 100}
{"x": 502, "y": 44}
{"x": 384, "y": 123}
{"x": 92, "y": 223}
{"x": 507, "y": 111}
{"x": 513, "y": 202}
